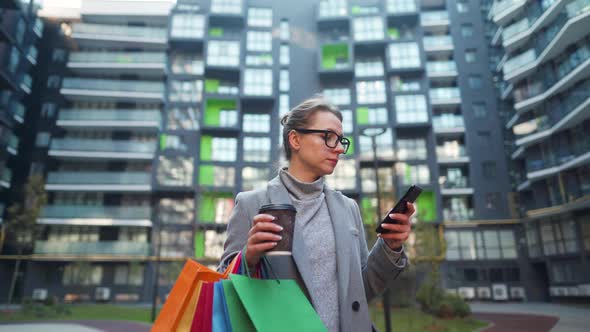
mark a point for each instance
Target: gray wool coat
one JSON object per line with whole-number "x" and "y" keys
{"x": 362, "y": 275}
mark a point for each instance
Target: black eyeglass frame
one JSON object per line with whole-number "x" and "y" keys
{"x": 341, "y": 139}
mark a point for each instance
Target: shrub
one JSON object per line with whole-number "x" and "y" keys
{"x": 430, "y": 294}
{"x": 460, "y": 307}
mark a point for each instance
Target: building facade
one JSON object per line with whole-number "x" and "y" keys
{"x": 152, "y": 118}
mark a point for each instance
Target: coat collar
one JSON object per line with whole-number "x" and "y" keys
{"x": 340, "y": 216}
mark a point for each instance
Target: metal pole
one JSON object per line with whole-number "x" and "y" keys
{"x": 156, "y": 274}
{"x": 385, "y": 297}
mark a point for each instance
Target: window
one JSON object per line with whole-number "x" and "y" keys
{"x": 253, "y": 177}
{"x": 182, "y": 63}
{"x": 337, "y": 96}
{"x": 347, "y": 123}
{"x": 187, "y": 26}
{"x": 256, "y": 123}
{"x": 470, "y": 55}
{"x": 568, "y": 231}
{"x": 399, "y": 84}
{"x": 452, "y": 240}
{"x": 260, "y": 17}
{"x": 58, "y": 55}
{"x": 508, "y": 244}
{"x": 369, "y": 67}
{"x": 384, "y": 144}
{"x": 484, "y": 137}
{"x": 217, "y": 176}
{"x": 284, "y": 57}
{"x": 225, "y": 148}
{"x": 548, "y": 238}
{"x": 213, "y": 245}
{"x": 42, "y": 139}
{"x": 259, "y": 60}
{"x": 284, "y": 33}
{"x": 226, "y": 6}
{"x": 563, "y": 272}
{"x": 215, "y": 207}
{"x": 475, "y": 81}
{"x": 368, "y": 28}
{"x": 411, "y": 149}
{"x": 257, "y": 149}
{"x": 411, "y": 109}
{"x": 174, "y": 142}
{"x": 489, "y": 169}
{"x": 185, "y": 91}
{"x": 462, "y": 6}
{"x": 175, "y": 171}
{"x": 82, "y": 273}
{"x": 53, "y": 82}
{"x": 466, "y": 30}
{"x": 344, "y": 176}
{"x": 412, "y": 174}
{"x": 186, "y": 118}
{"x": 14, "y": 60}
{"x": 48, "y": 110}
{"x": 176, "y": 243}
{"x": 371, "y": 115}
{"x": 404, "y": 55}
{"x": 257, "y": 82}
{"x": 586, "y": 233}
{"x": 223, "y": 53}
{"x": 401, "y": 6}
{"x": 176, "y": 211}
{"x": 259, "y": 41}
{"x": 479, "y": 110}
{"x": 370, "y": 92}
{"x": 467, "y": 245}
{"x": 331, "y": 8}
{"x": 283, "y": 104}
{"x": 532, "y": 237}
{"x": 492, "y": 244}
{"x": 129, "y": 275}
{"x": 492, "y": 200}
{"x": 368, "y": 184}
{"x": 284, "y": 84}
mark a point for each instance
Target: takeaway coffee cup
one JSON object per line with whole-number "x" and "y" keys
{"x": 285, "y": 217}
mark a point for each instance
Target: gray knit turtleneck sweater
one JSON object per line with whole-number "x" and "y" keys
{"x": 313, "y": 225}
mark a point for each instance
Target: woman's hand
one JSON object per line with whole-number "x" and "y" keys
{"x": 399, "y": 232}
{"x": 261, "y": 238}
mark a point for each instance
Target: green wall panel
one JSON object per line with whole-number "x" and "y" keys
{"x": 426, "y": 204}
{"x": 206, "y": 145}
{"x": 199, "y": 244}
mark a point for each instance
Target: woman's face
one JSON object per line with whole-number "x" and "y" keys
{"x": 313, "y": 153}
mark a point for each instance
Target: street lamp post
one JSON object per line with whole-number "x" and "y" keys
{"x": 156, "y": 285}
{"x": 373, "y": 133}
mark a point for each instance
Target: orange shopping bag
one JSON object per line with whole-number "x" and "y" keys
{"x": 178, "y": 311}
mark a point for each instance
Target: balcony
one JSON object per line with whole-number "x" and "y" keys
{"x": 219, "y": 87}
{"x": 438, "y": 44}
{"x": 332, "y": 14}
{"x": 86, "y": 88}
{"x": 445, "y": 96}
{"x": 220, "y": 115}
{"x": 102, "y": 149}
{"x": 437, "y": 21}
{"x": 18, "y": 111}
{"x": 399, "y": 8}
{"x": 451, "y": 153}
{"x": 461, "y": 215}
{"x": 26, "y": 83}
{"x": 448, "y": 124}
{"x": 9, "y": 19}
{"x": 88, "y": 34}
{"x": 118, "y": 63}
{"x": 6, "y": 177}
{"x": 576, "y": 155}
{"x": 32, "y": 55}
{"x": 441, "y": 69}
{"x": 103, "y": 248}
{"x": 455, "y": 186}
{"x": 12, "y": 146}
{"x": 96, "y": 215}
{"x": 505, "y": 10}
{"x": 142, "y": 119}
{"x": 99, "y": 181}
{"x": 336, "y": 59}
{"x": 9, "y": 60}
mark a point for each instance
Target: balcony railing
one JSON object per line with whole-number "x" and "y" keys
{"x": 98, "y": 178}
{"x": 457, "y": 215}
{"x": 450, "y": 151}
{"x": 556, "y": 159}
{"x": 437, "y": 42}
{"x": 101, "y": 212}
{"x": 401, "y": 7}
{"x": 107, "y": 248}
{"x": 110, "y": 115}
{"x": 329, "y": 9}
{"x": 441, "y": 67}
{"x": 448, "y": 121}
{"x": 112, "y": 85}
{"x": 434, "y": 17}
{"x": 441, "y": 95}
{"x": 118, "y": 57}
{"x": 118, "y": 31}
{"x": 18, "y": 109}
{"x": 519, "y": 61}
{"x": 456, "y": 183}
{"x": 6, "y": 175}
{"x": 13, "y": 142}
{"x": 103, "y": 145}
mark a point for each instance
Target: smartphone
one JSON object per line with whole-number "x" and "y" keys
{"x": 401, "y": 206}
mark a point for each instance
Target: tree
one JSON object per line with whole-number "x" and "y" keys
{"x": 21, "y": 225}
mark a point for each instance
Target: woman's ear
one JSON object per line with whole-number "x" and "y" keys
{"x": 294, "y": 140}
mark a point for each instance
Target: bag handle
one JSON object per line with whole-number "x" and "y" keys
{"x": 263, "y": 264}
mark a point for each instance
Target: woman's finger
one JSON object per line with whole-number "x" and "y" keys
{"x": 399, "y": 228}
{"x": 401, "y": 218}
{"x": 264, "y": 237}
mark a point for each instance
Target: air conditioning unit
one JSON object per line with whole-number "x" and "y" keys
{"x": 558, "y": 291}
{"x": 484, "y": 293}
{"x": 39, "y": 294}
{"x": 584, "y": 290}
{"x": 102, "y": 294}
{"x": 573, "y": 291}
{"x": 517, "y": 293}
{"x": 553, "y": 291}
{"x": 500, "y": 292}
{"x": 467, "y": 293}
{"x": 452, "y": 291}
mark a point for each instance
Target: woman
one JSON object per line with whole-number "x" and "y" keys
{"x": 329, "y": 246}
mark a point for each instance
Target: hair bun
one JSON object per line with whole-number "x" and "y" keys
{"x": 285, "y": 118}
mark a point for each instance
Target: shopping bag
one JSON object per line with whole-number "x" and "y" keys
{"x": 220, "y": 315}
{"x": 179, "y": 309}
{"x": 202, "y": 319}
{"x": 238, "y": 317}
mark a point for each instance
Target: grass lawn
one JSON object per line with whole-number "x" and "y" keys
{"x": 414, "y": 320}
{"x": 84, "y": 312}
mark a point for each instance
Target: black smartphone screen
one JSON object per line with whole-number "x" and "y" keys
{"x": 401, "y": 206}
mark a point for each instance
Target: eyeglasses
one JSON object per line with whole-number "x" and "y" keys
{"x": 330, "y": 138}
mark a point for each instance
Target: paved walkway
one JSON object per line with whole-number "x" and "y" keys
{"x": 77, "y": 326}
{"x": 570, "y": 318}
